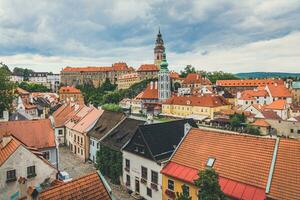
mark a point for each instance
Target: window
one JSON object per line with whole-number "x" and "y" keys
{"x": 171, "y": 185}
{"x": 81, "y": 152}
{"x": 127, "y": 180}
{"x": 60, "y": 132}
{"x": 127, "y": 164}
{"x": 81, "y": 140}
{"x": 149, "y": 192}
{"x": 31, "y": 171}
{"x": 11, "y": 175}
{"x": 47, "y": 155}
{"x": 154, "y": 177}
{"x": 144, "y": 173}
{"x": 210, "y": 162}
{"x": 98, "y": 145}
{"x": 298, "y": 131}
{"x": 292, "y": 130}
{"x": 186, "y": 190}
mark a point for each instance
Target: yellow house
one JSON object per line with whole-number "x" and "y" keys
{"x": 188, "y": 106}
{"x": 126, "y": 80}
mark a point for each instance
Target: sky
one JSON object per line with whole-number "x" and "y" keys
{"x": 228, "y": 35}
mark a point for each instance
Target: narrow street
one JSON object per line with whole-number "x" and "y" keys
{"x": 75, "y": 167}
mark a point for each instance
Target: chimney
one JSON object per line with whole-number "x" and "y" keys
{"x": 5, "y": 115}
{"x": 151, "y": 85}
{"x": 275, "y": 84}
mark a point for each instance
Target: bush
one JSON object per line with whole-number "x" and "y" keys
{"x": 112, "y": 107}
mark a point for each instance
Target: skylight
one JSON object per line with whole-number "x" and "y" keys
{"x": 210, "y": 162}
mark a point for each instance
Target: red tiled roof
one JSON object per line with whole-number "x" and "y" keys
{"x": 147, "y": 67}
{"x": 269, "y": 114}
{"x": 87, "y": 69}
{"x": 86, "y": 187}
{"x": 150, "y": 92}
{"x": 121, "y": 66}
{"x": 249, "y": 82}
{"x": 21, "y": 91}
{"x": 196, "y": 78}
{"x": 261, "y": 123}
{"x": 250, "y": 94}
{"x": 234, "y": 154}
{"x": 205, "y": 100}
{"x": 279, "y": 91}
{"x": 88, "y": 120}
{"x": 33, "y": 133}
{"x": 276, "y": 105}
{"x": 63, "y": 114}
{"x": 174, "y": 75}
{"x": 69, "y": 90}
{"x": 8, "y": 150}
{"x": 286, "y": 176}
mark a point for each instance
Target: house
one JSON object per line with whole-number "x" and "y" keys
{"x": 24, "y": 102}
{"x": 295, "y": 89}
{"x": 281, "y": 107}
{"x": 126, "y": 80}
{"x": 90, "y": 186}
{"x": 37, "y": 134}
{"x": 256, "y": 168}
{"x": 263, "y": 126}
{"x": 194, "y": 81}
{"x": 77, "y": 130}
{"x": 107, "y": 121}
{"x": 148, "y": 71}
{"x": 22, "y": 170}
{"x": 54, "y": 81}
{"x": 147, "y": 151}
{"x": 70, "y": 94}
{"x": 39, "y": 78}
{"x": 197, "y": 107}
{"x": 60, "y": 117}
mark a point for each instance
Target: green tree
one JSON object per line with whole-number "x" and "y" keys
{"x": 5, "y": 67}
{"x": 219, "y": 75}
{"x": 184, "y": 195}
{"x": 237, "y": 120}
{"x": 33, "y": 87}
{"x": 208, "y": 183}
{"x": 6, "y": 91}
{"x": 189, "y": 69}
{"x": 112, "y": 107}
{"x": 252, "y": 130}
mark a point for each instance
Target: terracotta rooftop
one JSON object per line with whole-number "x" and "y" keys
{"x": 87, "y": 187}
{"x": 196, "y": 78}
{"x": 63, "y": 114}
{"x": 249, "y": 82}
{"x": 261, "y": 123}
{"x": 174, "y": 75}
{"x": 8, "y": 150}
{"x": 205, "y": 100}
{"x": 115, "y": 67}
{"x": 277, "y": 90}
{"x": 147, "y": 67}
{"x": 33, "y": 133}
{"x": 150, "y": 92}
{"x": 250, "y": 94}
{"x": 234, "y": 155}
{"x": 269, "y": 114}
{"x": 286, "y": 176}
{"x": 276, "y": 105}
{"x": 69, "y": 90}
{"x": 21, "y": 91}
{"x": 85, "y": 124}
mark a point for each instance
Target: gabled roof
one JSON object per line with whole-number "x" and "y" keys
{"x": 69, "y": 90}
{"x": 242, "y": 158}
{"x": 203, "y": 100}
{"x": 286, "y": 176}
{"x": 122, "y": 133}
{"x": 269, "y": 114}
{"x": 196, "y": 78}
{"x": 85, "y": 124}
{"x": 86, "y": 187}
{"x": 105, "y": 123}
{"x": 277, "y": 90}
{"x": 63, "y": 114}
{"x": 174, "y": 75}
{"x": 261, "y": 123}
{"x": 150, "y": 92}
{"x": 8, "y": 150}
{"x": 147, "y": 67}
{"x": 33, "y": 133}
{"x": 81, "y": 112}
{"x": 160, "y": 139}
{"x": 276, "y": 105}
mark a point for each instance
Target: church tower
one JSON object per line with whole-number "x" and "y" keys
{"x": 164, "y": 83}
{"x": 159, "y": 49}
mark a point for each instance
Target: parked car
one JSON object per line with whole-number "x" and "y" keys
{"x": 64, "y": 176}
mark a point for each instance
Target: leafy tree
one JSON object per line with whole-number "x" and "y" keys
{"x": 112, "y": 107}
{"x": 6, "y": 91}
{"x": 22, "y": 72}
{"x": 189, "y": 69}
{"x": 219, "y": 75}
{"x": 237, "y": 120}
{"x": 184, "y": 195}
{"x": 5, "y": 67}
{"x": 208, "y": 183}
{"x": 33, "y": 87}
{"x": 252, "y": 130}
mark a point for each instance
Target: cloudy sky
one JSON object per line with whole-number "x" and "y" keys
{"x": 233, "y": 35}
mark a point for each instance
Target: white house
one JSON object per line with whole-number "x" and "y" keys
{"x": 145, "y": 154}
{"x": 22, "y": 170}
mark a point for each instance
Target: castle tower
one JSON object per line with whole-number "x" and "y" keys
{"x": 159, "y": 49}
{"x": 164, "y": 83}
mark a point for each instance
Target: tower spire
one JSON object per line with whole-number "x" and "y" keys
{"x": 159, "y": 48}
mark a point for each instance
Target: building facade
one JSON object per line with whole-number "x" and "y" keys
{"x": 164, "y": 82}
{"x": 127, "y": 80}
{"x": 69, "y": 94}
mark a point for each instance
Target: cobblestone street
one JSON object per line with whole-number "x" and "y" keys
{"x": 75, "y": 167}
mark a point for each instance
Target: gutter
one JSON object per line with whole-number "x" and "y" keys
{"x": 272, "y": 166}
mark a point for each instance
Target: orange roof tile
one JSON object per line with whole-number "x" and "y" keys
{"x": 286, "y": 176}
{"x": 121, "y": 66}
{"x": 261, "y": 123}
{"x": 242, "y": 158}
{"x": 250, "y": 94}
{"x": 69, "y": 90}
{"x": 21, "y": 91}
{"x": 276, "y": 105}
{"x": 279, "y": 91}
{"x": 148, "y": 67}
{"x": 63, "y": 114}
{"x": 196, "y": 78}
{"x": 249, "y": 82}
{"x": 88, "y": 120}
{"x": 86, "y": 187}
{"x": 150, "y": 92}
{"x": 174, "y": 75}
{"x": 8, "y": 150}
{"x": 33, "y": 133}
{"x": 205, "y": 100}
{"x": 87, "y": 69}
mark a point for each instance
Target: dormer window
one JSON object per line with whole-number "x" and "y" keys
{"x": 210, "y": 162}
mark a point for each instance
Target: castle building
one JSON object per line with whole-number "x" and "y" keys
{"x": 164, "y": 85}
{"x": 159, "y": 49}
